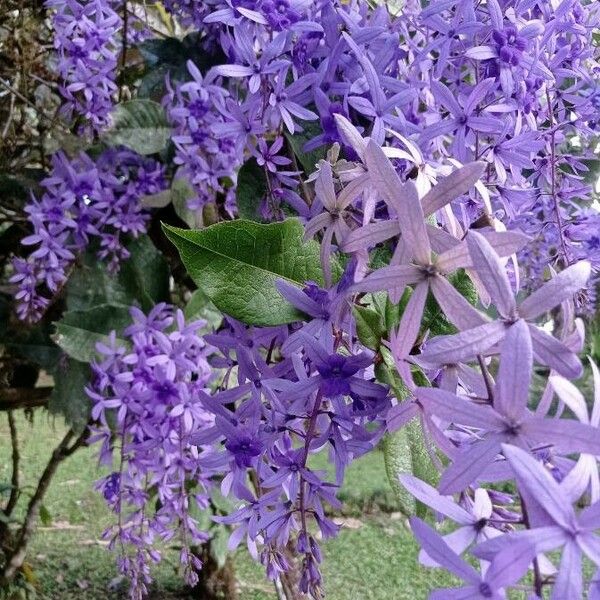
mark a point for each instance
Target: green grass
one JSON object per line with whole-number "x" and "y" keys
{"x": 374, "y": 557}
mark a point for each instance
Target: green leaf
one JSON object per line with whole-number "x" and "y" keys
{"x": 199, "y": 306}
{"x": 68, "y": 397}
{"x": 369, "y": 326}
{"x": 236, "y": 264}
{"x": 45, "y": 516}
{"x": 308, "y": 160}
{"x": 143, "y": 279}
{"x": 378, "y": 317}
{"x": 181, "y": 193}
{"x": 251, "y": 190}
{"x": 140, "y": 125}
{"x": 78, "y": 332}
{"x": 222, "y": 505}
{"x": 169, "y": 56}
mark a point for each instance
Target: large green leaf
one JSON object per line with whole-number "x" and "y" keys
{"x": 237, "y": 263}
{"x": 78, "y": 332}
{"x": 199, "y": 306}
{"x": 68, "y": 397}
{"x": 143, "y": 279}
{"x": 140, "y": 125}
{"x": 251, "y": 190}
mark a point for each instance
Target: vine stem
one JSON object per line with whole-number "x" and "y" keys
{"x": 559, "y": 222}
{"x": 489, "y": 386}
{"x": 123, "y": 47}
{"x": 537, "y": 576}
{"x": 307, "y": 439}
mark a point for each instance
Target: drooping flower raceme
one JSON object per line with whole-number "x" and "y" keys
{"x": 83, "y": 201}
{"x": 146, "y": 401}
{"x": 87, "y": 41}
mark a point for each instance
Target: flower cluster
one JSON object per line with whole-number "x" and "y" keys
{"x": 287, "y": 392}
{"x": 456, "y": 140}
{"x": 293, "y": 396}
{"x": 483, "y": 420}
{"x": 84, "y": 201}
{"x": 146, "y": 400}
{"x": 511, "y": 86}
{"x": 86, "y": 39}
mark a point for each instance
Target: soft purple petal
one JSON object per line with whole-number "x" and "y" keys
{"x": 451, "y": 349}
{"x": 410, "y": 323}
{"x": 544, "y": 539}
{"x": 468, "y": 466}
{"x": 382, "y": 174}
{"x": 566, "y": 434}
{"x": 510, "y": 565}
{"x": 369, "y": 235}
{"x": 388, "y": 277}
{"x": 569, "y": 581}
{"x": 452, "y": 186}
{"x": 439, "y": 551}
{"x": 481, "y": 52}
{"x": 456, "y": 410}
{"x": 532, "y": 476}
{"x": 555, "y": 354}
{"x": 455, "y": 306}
{"x": 560, "y": 288}
{"x": 492, "y": 273}
{"x": 350, "y": 135}
{"x": 514, "y": 373}
{"x": 431, "y": 497}
{"x": 571, "y": 396}
{"x": 298, "y": 298}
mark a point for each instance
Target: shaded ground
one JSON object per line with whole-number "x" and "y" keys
{"x": 374, "y": 558}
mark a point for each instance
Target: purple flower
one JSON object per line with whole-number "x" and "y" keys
{"x": 86, "y": 37}
{"x": 548, "y": 350}
{"x": 555, "y": 525}
{"x": 506, "y": 419}
{"x": 506, "y": 568}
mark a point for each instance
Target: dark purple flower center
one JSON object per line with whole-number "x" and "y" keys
{"x": 480, "y": 524}
{"x": 244, "y": 449}
{"x": 336, "y": 374}
{"x": 165, "y": 391}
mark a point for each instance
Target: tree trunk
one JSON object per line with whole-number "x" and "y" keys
{"x": 216, "y": 583}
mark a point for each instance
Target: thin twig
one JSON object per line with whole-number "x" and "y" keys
{"x": 123, "y": 48}
{"x": 537, "y": 576}
{"x": 20, "y": 96}
{"x": 559, "y": 222}
{"x": 487, "y": 378}
{"x": 16, "y": 459}
{"x": 14, "y": 560}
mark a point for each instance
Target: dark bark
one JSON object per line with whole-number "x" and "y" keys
{"x": 216, "y": 582}
{"x": 14, "y": 398}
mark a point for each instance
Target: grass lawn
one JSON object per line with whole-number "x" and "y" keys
{"x": 374, "y": 558}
